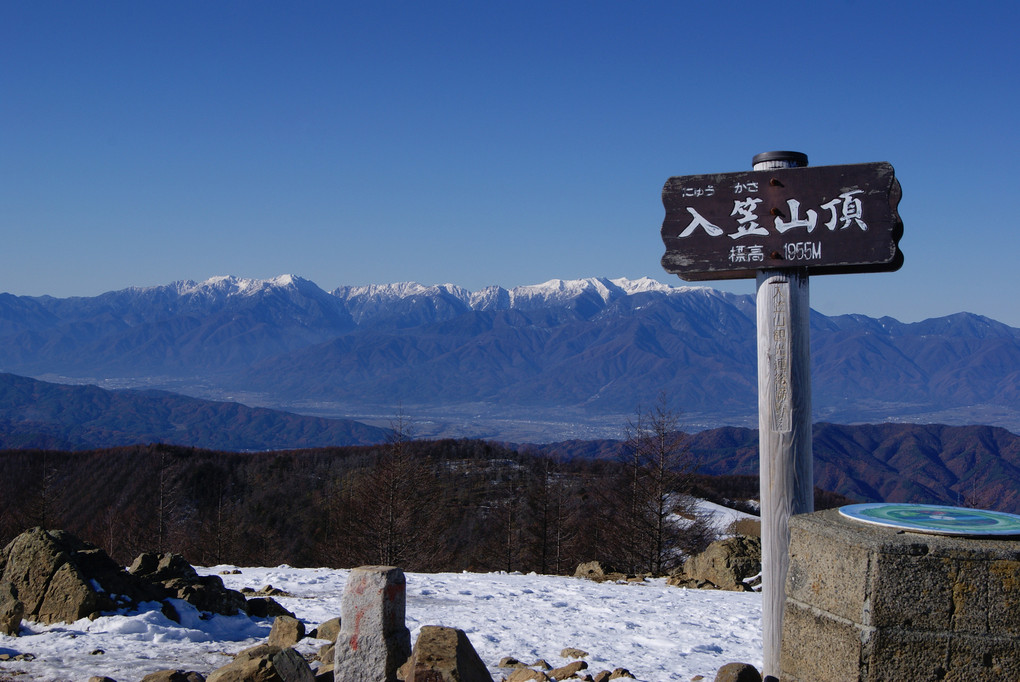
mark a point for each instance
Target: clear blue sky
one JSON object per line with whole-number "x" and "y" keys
{"x": 488, "y": 143}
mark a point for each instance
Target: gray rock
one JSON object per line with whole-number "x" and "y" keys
{"x": 738, "y": 672}
{"x": 207, "y": 593}
{"x": 12, "y": 610}
{"x": 265, "y": 607}
{"x": 591, "y": 570}
{"x": 286, "y": 631}
{"x": 510, "y": 662}
{"x": 159, "y": 568}
{"x": 568, "y": 670}
{"x": 527, "y": 675}
{"x": 725, "y": 564}
{"x": 327, "y": 652}
{"x": 270, "y": 591}
{"x": 59, "y": 578}
{"x": 264, "y": 663}
{"x": 179, "y": 580}
{"x": 444, "y": 654}
{"x": 173, "y": 676}
{"x": 328, "y": 630}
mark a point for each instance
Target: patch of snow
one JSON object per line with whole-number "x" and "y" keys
{"x": 719, "y": 516}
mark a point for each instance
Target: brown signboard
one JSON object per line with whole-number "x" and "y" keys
{"x": 827, "y": 219}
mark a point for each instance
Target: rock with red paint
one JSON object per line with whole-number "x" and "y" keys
{"x": 373, "y": 641}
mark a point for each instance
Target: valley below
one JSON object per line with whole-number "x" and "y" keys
{"x": 517, "y": 423}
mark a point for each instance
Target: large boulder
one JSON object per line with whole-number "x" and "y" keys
{"x": 264, "y": 663}
{"x": 444, "y": 654}
{"x": 60, "y": 578}
{"x": 725, "y": 564}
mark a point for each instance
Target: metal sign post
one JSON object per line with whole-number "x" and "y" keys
{"x": 779, "y": 223}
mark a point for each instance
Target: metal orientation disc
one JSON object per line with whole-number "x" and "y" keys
{"x": 935, "y": 519}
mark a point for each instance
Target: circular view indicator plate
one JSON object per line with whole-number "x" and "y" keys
{"x": 933, "y": 518}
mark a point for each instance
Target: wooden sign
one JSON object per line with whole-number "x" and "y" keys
{"x": 825, "y": 219}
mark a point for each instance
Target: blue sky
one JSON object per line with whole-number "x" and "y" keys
{"x": 488, "y": 143}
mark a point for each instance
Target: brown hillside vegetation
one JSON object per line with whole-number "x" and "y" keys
{"x": 977, "y": 466}
{"x": 424, "y": 505}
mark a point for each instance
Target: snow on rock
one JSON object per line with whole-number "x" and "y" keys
{"x": 659, "y": 633}
{"x": 490, "y": 298}
{"x": 221, "y": 287}
{"x": 639, "y": 286}
{"x": 398, "y": 290}
{"x": 524, "y": 297}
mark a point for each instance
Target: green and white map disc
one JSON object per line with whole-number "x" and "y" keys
{"x": 933, "y": 518}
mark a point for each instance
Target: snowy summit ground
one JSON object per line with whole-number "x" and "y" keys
{"x": 659, "y": 633}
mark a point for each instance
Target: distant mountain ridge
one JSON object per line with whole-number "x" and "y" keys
{"x": 586, "y": 351}
{"x": 41, "y": 415}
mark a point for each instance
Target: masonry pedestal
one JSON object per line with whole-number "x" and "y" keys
{"x": 867, "y": 603}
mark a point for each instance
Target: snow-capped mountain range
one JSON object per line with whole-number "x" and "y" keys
{"x": 587, "y": 351}
{"x": 530, "y": 297}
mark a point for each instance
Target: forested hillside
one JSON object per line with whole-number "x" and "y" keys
{"x": 423, "y": 505}
{"x": 921, "y": 463}
{"x": 462, "y": 504}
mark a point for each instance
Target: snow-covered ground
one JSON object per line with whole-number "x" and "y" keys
{"x": 659, "y": 633}
{"x": 655, "y": 631}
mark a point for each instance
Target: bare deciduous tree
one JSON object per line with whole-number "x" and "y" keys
{"x": 660, "y": 471}
{"x": 398, "y": 510}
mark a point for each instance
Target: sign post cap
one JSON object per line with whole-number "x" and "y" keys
{"x": 797, "y": 159}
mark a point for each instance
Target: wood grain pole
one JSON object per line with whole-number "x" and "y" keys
{"x": 784, "y": 424}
